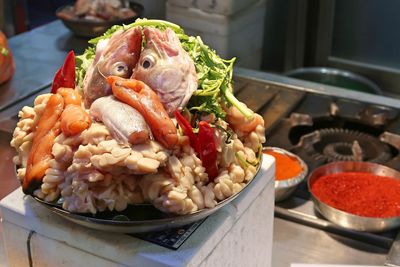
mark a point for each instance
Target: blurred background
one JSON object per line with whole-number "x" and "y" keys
{"x": 352, "y": 44}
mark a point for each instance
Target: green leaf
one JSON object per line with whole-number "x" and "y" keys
{"x": 205, "y": 104}
{"x": 83, "y": 62}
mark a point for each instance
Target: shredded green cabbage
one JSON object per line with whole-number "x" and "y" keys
{"x": 214, "y": 74}
{"x": 83, "y": 62}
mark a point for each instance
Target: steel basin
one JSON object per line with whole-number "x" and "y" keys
{"x": 336, "y": 77}
{"x": 345, "y": 219}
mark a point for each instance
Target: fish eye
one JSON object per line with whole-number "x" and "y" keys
{"x": 147, "y": 62}
{"x": 120, "y": 69}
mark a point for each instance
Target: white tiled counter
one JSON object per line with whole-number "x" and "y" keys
{"x": 240, "y": 234}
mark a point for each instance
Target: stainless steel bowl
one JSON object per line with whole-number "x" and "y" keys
{"x": 284, "y": 188}
{"x": 90, "y": 28}
{"x": 345, "y": 219}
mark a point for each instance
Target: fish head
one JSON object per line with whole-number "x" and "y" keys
{"x": 159, "y": 57}
{"x": 166, "y": 68}
{"x": 121, "y": 53}
{"x": 115, "y": 56}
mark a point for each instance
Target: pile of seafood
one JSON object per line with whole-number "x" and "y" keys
{"x": 146, "y": 114}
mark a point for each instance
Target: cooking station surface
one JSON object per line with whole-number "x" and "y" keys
{"x": 323, "y": 128}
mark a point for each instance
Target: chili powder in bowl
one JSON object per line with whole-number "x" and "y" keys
{"x": 361, "y": 196}
{"x": 290, "y": 170}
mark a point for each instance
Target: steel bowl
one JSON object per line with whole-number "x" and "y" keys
{"x": 345, "y": 219}
{"x": 284, "y": 188}
{"x": 90, "y": 28}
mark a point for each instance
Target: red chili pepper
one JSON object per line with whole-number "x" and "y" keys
{"x": 188, "y": 130}
{"x": 208, "y": 149}
{"x": 204, "y": 143}
{"x": 65, "y": 76}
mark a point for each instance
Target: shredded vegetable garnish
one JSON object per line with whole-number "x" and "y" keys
{"x": 246, "y": 163}
{"x": 215, "y": 79}
{"x": 214, "y": 74}
{"x": 82, "y": 64}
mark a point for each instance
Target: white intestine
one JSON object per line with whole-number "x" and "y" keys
{"x": 103, "y": 173}
{"x": 86, "y": 189}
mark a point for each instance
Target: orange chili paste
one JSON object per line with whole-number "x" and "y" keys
{"x": 286, "y": 167}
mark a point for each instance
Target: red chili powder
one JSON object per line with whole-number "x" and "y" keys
{"x": 359, "y": 193}
{"x": 285, "y": 167}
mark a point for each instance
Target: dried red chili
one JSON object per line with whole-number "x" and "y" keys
{"x": 359, "y": 193}
{"x": 188, "y": 130}
{"x": 65, "y": 76}
{"x": 208, "y": 149}
{"x": 203, "y": 143}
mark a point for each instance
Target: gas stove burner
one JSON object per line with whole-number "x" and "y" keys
{"x": 335, "y": 144}
{"x": 343, "y": 151}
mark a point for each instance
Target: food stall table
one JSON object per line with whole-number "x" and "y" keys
{"x": 237, "y": 235}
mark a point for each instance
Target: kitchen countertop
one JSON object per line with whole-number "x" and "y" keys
{"x": 297, "y": 243}
{"x": 39, "y": 54}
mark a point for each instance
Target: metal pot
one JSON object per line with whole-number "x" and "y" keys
{"x": 336, "y": 77}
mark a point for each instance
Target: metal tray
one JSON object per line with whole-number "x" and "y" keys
{"x": 138, "y": 218}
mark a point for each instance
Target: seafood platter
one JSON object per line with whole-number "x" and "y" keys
{"x": 145, "y": 120}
